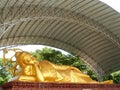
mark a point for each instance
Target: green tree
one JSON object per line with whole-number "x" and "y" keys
{"x": 4, "y": 74}
{"x": 115, "y": 76}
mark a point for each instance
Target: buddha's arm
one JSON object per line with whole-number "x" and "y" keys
{"x": 26, "y": 74}
{"x": 39, "y": 75}
{"x": 57, "y": 67}
{"x": 62, "y": 67}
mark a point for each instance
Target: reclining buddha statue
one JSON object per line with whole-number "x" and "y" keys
{"x": 30, "y": 70}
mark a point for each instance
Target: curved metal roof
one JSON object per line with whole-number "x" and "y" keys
{"x": 88, "y": 28}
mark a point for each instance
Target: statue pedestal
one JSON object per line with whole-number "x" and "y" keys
{"x": 58, "y": 86}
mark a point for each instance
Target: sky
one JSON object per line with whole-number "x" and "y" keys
{"x": 30, "y": 48}
{"x": 115, "y": 4}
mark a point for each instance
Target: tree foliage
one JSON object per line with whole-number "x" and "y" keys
{"x": 115, "y": 76}
{"x": 4, "y": 74}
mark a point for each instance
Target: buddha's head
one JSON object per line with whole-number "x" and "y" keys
{"x": 24, "y": 58}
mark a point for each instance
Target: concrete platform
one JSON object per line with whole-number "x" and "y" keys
{"x": 57, "y": 86}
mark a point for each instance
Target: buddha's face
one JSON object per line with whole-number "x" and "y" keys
{"x": 25, "y": 58}
{"x": 29, "y": 59}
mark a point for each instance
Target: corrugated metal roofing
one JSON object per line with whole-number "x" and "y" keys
{"x": 88, "y": 28}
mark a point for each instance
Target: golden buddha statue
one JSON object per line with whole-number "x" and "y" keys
{"x": 30, "y": 70}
